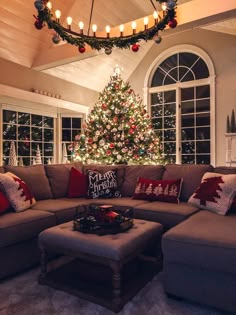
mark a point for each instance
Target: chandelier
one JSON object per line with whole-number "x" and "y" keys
{"x": 160, "y": 20}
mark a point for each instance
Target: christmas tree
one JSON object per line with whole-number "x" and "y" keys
{"x": 118, "y": 129}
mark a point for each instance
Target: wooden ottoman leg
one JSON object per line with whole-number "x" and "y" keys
{"x": 116, "y": 285}
{"x": 43, "y": 264}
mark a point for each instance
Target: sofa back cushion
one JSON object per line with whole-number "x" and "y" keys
{"x": 133, "y": 172}
{"x": 191, "y": 174}
{"x": 59, "y": 177}
{"x": 101, "y": 168}
{"x": 225, "y": 170}
{"x": 35, "y": 178}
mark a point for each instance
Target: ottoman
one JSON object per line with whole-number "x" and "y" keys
{"x": 113, "y": 251}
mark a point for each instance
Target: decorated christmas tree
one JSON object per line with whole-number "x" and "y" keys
{"x": 118, "y": 129}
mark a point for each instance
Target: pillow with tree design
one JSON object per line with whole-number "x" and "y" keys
{"x": 16, "y": 191}
{"x": 158, "y": 190}
{"x": 215, "y": 193}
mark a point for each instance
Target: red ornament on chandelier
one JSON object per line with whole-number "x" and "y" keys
{"x": 172, "y": 23}
{"x": 135, "y": 47}
{"x": 81, "y": 49}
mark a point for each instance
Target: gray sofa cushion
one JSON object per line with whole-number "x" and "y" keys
{"x": 133, "y": 172}
{"x": 225, "y": 170}
{"x": 35, "y": 177}
{"x": 191, "y": 174}
{"x": 25, "y": 225}
{"x": 168, "y": 214}
{"x": 63, "y": 208}
{"x": 59, "y": 177}
{"x": 206, "y": 240}
{"x": 123, "y": 201}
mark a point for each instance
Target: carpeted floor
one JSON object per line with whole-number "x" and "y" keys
{"x": 22, "y": 295}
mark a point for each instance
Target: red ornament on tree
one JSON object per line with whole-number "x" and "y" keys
{"x": 90, "y": 140}
{"x": 135, "y": 47}
{"x": 112, "y": 145}
{"x": 172, "y": 23}
{"x": 115, "y": 119}
{"x": 81, "y": 49}
{"x": 104, "y": 106}
{"x": 108, "y": 152}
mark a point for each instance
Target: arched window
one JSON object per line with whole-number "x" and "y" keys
{"x": 181, "y": 102}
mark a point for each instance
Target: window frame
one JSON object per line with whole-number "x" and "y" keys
{"x": 148, "y": 90}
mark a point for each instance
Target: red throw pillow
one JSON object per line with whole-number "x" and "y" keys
{"x": 4, "y": 203}
{"x": 78, "y": 184}
{"x": 158, "y": 190}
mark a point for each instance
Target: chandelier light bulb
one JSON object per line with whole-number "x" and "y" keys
{"x": 69, "y": 21}
{"x": 58, "y": 14}
{"x": 164, "y": 8}
{"x": 155, "y": 15}
{"x": 122, "y": 29}
{"x": 108, "y": 29}
{"x": 145, "y": 22}
{"x": 81, "y": 27}
{"x": 134, "y": 25}
{"x": 49, "y": 5}
{"x": 94, "y": 28}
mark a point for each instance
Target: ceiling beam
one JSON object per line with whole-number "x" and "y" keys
{"x": 191, "y": 14}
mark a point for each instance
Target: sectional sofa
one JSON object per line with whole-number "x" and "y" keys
{"x": 199, "y": 246}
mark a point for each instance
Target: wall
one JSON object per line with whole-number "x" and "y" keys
{"x": 27, "y": 79}
{"x": 221, "y": 48}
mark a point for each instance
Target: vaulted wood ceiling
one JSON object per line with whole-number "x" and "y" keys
{"x": 21, "y": 43}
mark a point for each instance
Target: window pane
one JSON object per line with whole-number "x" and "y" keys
{"x": 9, "y": 132}
{"x": 66, "y": 122}
{"x": 169, "y": 147}
{"x": 203, "y": 146}
{"x": 76, "y": 123}
{"x": 66, "y": 135}
{"x": 169, "y": 109}
{"x": 187, "y": 120}
{"x": 36, "y": 134}
{"x": 156, "y": 111}
{"x": 23, "y": 149}
{"x": 188, "y": 159}
{"x": 203, "y": 159}
{"x": 6, "y": 148}
{"x": 185, "y": 75}
{"x": 158, "y": 77}
{"x": 9, "y": 116}
{"x": 169, "y": 122}
{"x": 203, "y": 133}
{"x": 37, "y": 120}
{"x": 188, "y": 134}
{"x": 169, "y": 80}
{"x": 169, "y": 63}
{"x": 203, "y": 119}
{"x": 187, "y": 94}
{"x": 188, "y": 147}
{"x": 200, "y": 69}
{"x": 48, "y": 135}
{"x": 170, "y": 96}
{"x": 23, "y": 133}
{"x": 170, "y": 134}
{"x": 34, "y": 148}
{"x": 187, "y": 59}
{"x": 75, "y": 133}
{"x": 23, "y": 118}
{"x": 174, "y": 74}
{"x": 203, "y": 105}
{"x": 48, "y": 149}
{"x": 187, "y": 107}
{"x": 48, "y": 122}
{"x": 203, "y": 91}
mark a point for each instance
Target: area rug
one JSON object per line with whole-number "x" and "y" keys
{"x": 22, "y": 295}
